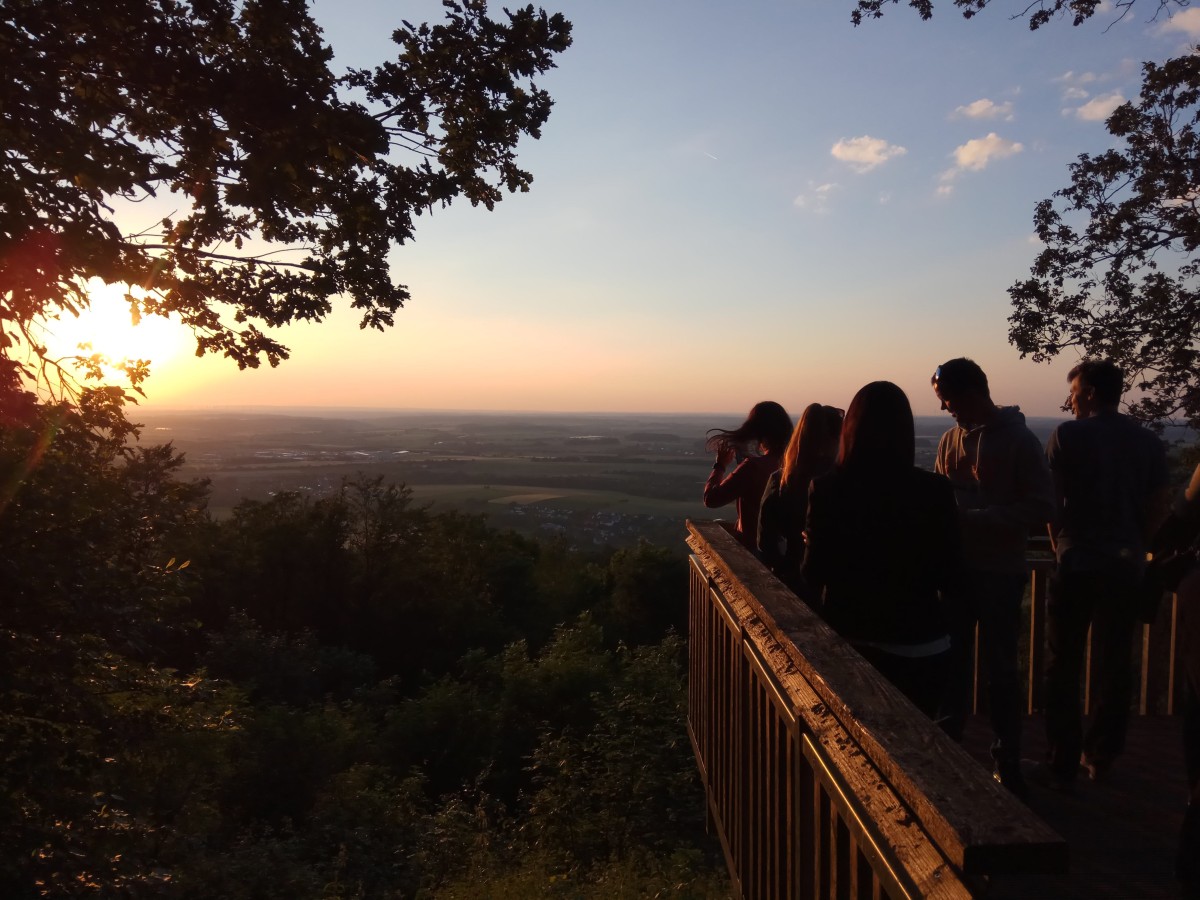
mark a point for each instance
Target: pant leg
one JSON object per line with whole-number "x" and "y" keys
{"x": 1188, "y": 594}
{"x": 958, "y": 695}
{"x": 1187, "y": 860}
{"x": 1068, "y": 614}
{"x": 1115, "y": 616}
{"x": 1187, "y": 856}
{"x": 999, "y": 603}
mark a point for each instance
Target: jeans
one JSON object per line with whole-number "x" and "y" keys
{"x": 1188, "y": 594}
{"x": 993, "y": 601}
{"x": 1107, "y": 599}
{"x": 1187, "y": 858}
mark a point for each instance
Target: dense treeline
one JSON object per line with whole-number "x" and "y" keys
{"x": 349, "y": 696}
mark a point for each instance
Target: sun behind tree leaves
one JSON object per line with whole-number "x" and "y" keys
{"x": 290, "y": 183}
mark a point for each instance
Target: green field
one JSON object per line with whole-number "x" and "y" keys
{"x": 594, "y": 479}
{"x": 465, "y": 495}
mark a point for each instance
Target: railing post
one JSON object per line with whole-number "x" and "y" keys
{"x": 1161, "y": 666}
{"x": 1176, "y": 682}
{"x": 1038, "y": 581}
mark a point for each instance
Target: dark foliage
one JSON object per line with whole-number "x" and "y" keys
{"x": 336, "y": 697}
{"x": 100, "y": 741}
{"x": 1118, "y": 275}
{"x": 1036, "y": 12}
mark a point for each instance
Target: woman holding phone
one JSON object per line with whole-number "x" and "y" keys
{"x": 766, "y": 432}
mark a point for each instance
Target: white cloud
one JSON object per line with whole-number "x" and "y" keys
{"x": 975, "y": 155}
{"x": 985, "y": 109}
{"x": 1071, "y": 79}
{"x": 865, "y": 153}
{"x": 1075, "y": 93}
{"x": 816, "y": 198}
{"x": 1099, "y": 108}
{"x": 885, "y": 198}
{"x": 1187, "y": 22}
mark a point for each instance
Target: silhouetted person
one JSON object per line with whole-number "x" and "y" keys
{"x": 1176, "y": 567}
{"x": 1003, "y": 489}
{"x": 811, "y": 452}
{"x": 1110, "y": 478}
{"x": 766, "y": 430}
{"x": 883, "y": 545}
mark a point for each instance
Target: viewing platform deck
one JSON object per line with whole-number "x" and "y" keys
{"x": 1121, "y": 832}
{"x": 823, "y": 781}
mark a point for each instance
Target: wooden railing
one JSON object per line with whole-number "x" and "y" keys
{"x": 822, "y": 780}
{"x": 1160, "y": 686}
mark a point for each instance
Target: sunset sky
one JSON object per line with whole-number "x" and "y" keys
{"x": 731, "y": 202}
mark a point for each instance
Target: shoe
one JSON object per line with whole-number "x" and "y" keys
{"x": 1041, "y": 775}
{"x": 1096, "y": 769}
{"x": 1009, "y": 775}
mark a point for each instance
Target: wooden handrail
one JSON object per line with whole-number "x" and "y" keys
{"x": 822, "y": 779}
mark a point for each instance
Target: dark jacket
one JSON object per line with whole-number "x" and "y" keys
{"x": 781, "y": 519}
{"x": 1108, "y": 471}
{"x": 882, "y": 552}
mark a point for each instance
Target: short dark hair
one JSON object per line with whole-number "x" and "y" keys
{"x": 1103, "y": 376}
{"x": 960, "y": 374}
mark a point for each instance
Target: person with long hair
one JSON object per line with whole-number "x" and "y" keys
{"x": 883, "y": 547}
{"x": 766, "y": 431}
{"x": 810, "y": 453}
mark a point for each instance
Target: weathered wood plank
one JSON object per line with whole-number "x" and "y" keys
{"x": 886, "y": 834}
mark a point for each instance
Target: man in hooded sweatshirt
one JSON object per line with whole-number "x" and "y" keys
{"x": 1004, "y": 491}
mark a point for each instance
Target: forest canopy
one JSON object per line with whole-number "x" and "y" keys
{"x": 343, "y": 696}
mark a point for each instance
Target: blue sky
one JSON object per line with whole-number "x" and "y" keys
{"x": 733, "y": 202}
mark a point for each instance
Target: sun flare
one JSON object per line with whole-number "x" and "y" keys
{"x": 106, "y": 327}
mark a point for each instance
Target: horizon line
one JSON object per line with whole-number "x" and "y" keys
{"x": 286, "y": 410}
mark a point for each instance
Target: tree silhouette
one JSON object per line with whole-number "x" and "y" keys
{"x": 1036, "y": 12}
{"x": 1118, "y": 275}
{"x": 288, "y": 183}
